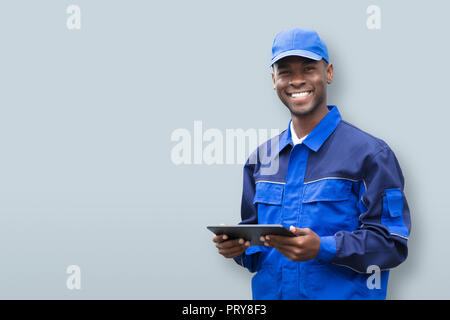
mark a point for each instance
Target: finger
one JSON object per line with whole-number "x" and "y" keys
{"x": 220, "y": 238}
{"x": 284, "y": 248}
{"x": 281, "y": 244}
{"x": 232, "y": 252}
{"x": 230, "y": 246}
{"x": 278, "y": 240}
{"x": 290, "y": 252}
{"x": 300, "y": 231}
{"x": 276, "y": 245}
{"x": 231, "y": 243}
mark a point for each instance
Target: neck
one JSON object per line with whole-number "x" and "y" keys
{"x": 304, "y": 124}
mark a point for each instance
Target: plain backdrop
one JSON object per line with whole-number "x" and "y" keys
{"x": 86, "y": 117}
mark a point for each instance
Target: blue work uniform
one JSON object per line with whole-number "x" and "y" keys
{"x": 347, "y": 187}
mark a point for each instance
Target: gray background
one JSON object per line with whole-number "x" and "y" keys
{"x": 86, "y": 117}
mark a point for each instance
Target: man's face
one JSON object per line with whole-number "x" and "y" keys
{"x": 301, "y": 83}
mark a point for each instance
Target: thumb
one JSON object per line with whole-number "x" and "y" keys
{"x": 299, "y": 231}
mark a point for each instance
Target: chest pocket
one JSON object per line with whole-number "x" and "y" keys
{"x": 329, "y": 205}
{"x": 327, "y": 190}
{"x": 269, "y": 198}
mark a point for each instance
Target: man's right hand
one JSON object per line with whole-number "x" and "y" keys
{"x": 230, "y": 248}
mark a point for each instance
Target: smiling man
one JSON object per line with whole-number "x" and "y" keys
{"x": 339, "y": 189}
{"x": 301, "y": 85}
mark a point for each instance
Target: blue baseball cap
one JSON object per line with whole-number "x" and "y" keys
{"x": 298, "y": 42}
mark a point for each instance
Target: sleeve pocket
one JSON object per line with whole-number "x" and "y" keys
{"x": 392, "y": 216}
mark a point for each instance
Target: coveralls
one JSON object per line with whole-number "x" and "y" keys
{"x": 347, "y": 187}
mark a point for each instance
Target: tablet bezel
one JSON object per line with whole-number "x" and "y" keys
{"x": 251, "y": 232}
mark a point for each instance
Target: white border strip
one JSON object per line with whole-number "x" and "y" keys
{"x": 270, "y": 182}
{"x": 400, "y": 236}
{"x": 329, "y": 178}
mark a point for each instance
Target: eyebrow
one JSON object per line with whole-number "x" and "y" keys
{"x": 304, "y": 62}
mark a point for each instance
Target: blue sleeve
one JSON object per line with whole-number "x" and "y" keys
{"x": 249, "y": 215}
{"x": 385, "y": 220}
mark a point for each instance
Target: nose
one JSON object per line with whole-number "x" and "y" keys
{"x": 296, "y": 80}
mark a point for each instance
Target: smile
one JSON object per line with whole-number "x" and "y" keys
{"x": 300, "y": 94}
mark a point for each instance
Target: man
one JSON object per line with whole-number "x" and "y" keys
{"x": 339, "y": 189}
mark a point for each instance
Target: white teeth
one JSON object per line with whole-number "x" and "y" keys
{"x": 300, "y": 94}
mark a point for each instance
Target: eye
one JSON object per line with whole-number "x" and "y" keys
{"x": 309, "y": 68}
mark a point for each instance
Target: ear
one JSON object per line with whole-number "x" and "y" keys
{"x": 273, "y": 80}
{"x": 329, "y": 73}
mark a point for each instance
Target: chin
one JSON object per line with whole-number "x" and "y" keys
{"x": 302, "y": 110}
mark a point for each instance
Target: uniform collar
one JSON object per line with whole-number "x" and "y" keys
{"x": 319, "y": 134}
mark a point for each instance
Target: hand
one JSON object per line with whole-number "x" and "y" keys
{"x": 230, "y": 248}
{"x": 302, "y": 248}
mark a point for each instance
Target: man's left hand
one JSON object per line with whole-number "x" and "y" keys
{"x": 302, "y": 248}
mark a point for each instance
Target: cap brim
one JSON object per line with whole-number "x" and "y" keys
{"x": 299, "y": 53}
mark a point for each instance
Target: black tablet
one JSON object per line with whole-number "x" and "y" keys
{"x": 251, "y": 232}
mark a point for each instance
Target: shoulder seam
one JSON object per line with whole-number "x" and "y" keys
{"x": 381, "y": 143}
